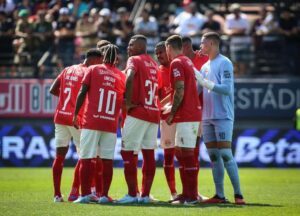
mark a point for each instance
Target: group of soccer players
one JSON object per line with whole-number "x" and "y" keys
{"x": 187, "y": 87}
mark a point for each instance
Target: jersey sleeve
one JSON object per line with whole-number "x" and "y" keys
{"x": 87, "y": 77}
{"x": 177, "y": 72}
{"x": 226, "y": 74}
{"x": 131, "y": 64}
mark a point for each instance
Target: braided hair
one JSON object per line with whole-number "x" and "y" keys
{"x": 110, "y": 54}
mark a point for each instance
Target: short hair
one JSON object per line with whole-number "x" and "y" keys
{"x": 187, "y": 39}
{"x": 160, "y": 44}
{"x": 102, "y": 43}
{"x": 213, "y": 36}
{"x": 175, "y": 41}
{"x": 93, "y": 53}
{"x": 139, "y": 37}
{"x": 110, "y": 54}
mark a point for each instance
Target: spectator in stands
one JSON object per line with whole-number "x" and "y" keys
{"x": 164, "y": 27}
{"x": 189, "y": 22}
{"x": 210, "y": 24}
{"x": 25, "y": 4}
{"x": 289, "y": 29}
{"x": 147, "y": 25}
{"x": 123, "y": 29}
{"x": 43, "y": 32}
{"x": 6, "y": 39}
{"x": 105, "y": 26}
{"x": 86, "y": 32}
{"x": 64, "y": 36}
{"x": 23, "y": 42}
{"x": 237, "y": 27}
{"x": 264, "y": 25}
{"x": 7, "y": 6}
{"x": 80, "y": 7}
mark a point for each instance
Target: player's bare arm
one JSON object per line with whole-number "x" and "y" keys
{"x": 79, "y": 101}
{"x": 177, "y": 100}
{"x": 129, "y": 89}
{"x": 54, "y": 89}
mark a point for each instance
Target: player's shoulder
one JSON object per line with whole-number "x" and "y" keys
{"x": 225, "y": 60}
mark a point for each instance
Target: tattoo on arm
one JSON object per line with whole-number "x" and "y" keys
{"x": 80, "y": 98}
{"x": 129, "y": 85}
{"x": 178, "y": 96}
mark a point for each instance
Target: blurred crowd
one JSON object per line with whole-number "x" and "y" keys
{"x": 47, "y": 35}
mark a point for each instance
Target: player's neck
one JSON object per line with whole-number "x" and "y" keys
{"x": 191, "y": 54}
{"x": 213, "y": 54}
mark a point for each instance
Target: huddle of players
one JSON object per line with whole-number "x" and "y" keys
{"x": 91, "y": 97}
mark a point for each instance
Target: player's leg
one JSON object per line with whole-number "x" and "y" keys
{"x": 167, "y": 142}
{"x": 88, "y": 149}
{"x": 132, "y": 136}
{"x": 185, "y": 140}
{"x": 149, "y": 143}
{"x": 209, "y": 137}
{"x": 97, "y": 176}
{"x": 74, "y": 194}
{"x": 224, "y": 129}
{"x": 62, "y": 139}
{"x": 107, "y": 150}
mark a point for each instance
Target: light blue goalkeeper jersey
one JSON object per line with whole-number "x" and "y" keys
{"x": 218, "y": 103}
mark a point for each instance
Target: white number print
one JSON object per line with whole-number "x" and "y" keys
{"x": 152, "y": 99}
{"x": 68, "y": 92}
{"x": 110, "y": 101}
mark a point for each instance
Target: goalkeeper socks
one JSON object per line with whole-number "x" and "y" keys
{"x": 169, "y": 168}
{"x": 57, "y": 169}
{"x": 217, "y": 170}
{"x": 107, "y": 175}
{"x": 98, "y": 176}
{"x": 130, "y": 171}
{"x": 232, "y": 169}
{"x": 76, "y": 180}
{"x": 148, "y": 170}
{"x": 86, "y": 171}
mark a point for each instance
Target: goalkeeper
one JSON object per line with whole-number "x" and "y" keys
{"x": 217, "y": 83}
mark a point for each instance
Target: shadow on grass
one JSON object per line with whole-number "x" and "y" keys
{"x": 199, "y": 205}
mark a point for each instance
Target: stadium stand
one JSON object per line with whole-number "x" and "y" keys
{"x": 38, "y": 38}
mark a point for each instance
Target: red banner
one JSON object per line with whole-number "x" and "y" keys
{"x": 26, "y": 98}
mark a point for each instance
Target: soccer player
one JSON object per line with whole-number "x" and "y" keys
{"x": 198, "y": 60}
{"x": 167, "y": 132}
{"x": 185, "y": 112}
{"x": 141, "y": 123}
{"x": 66, "y": 86}
{"x": 102, "y": 43}
{"x": 217, "y": 80}
{"x": 103, "y": 87}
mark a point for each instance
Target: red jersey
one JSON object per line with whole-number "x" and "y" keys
{"x": 182, "y": 69}
{"x": 70, "y": 83}
{"x": 199, "y": 60}
{"x": 165, "y": 84}
{"x": 145, "y": 88}
{"x": 106, "y": 86}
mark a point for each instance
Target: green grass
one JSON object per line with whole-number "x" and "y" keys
{"x": 267, "y": 192}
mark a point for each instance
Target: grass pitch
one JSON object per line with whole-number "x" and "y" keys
{"x": 267, "y": 192}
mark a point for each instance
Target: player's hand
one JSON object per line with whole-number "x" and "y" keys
{"x": 199, "y": 77}
{"x": 75, "y": 122}
{"x": 170, "y": 119}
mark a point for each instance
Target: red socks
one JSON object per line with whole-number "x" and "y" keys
{"x": 136, "y": 160}
{"x": 130, "y": 171}
{"x": 191, "y": 173}
{"x": 76, "y": 180}
{"x": 169, "y": 168}
{"x": 86, "y": 171}
{"x": 98, "y": 176}
{"x": 107, "y": 175}
{"x": 57, "y": 169}
{"x": 178, "y": 154}
{"x": 148, "y": 170}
